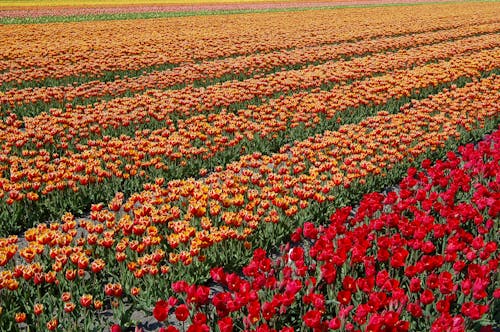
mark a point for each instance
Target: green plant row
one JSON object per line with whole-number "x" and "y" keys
{"x": 24, "y": 214}
{"x": 106, "y": 76}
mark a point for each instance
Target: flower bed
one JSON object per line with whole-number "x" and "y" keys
{"x": 259, "y": 128}
{"x": 45, "y": 52}
{"x": 182, "y": 228}
{"x": 49, "y": 181}
{"x": 42, "y": 98}
{"x": 422, "y": 258}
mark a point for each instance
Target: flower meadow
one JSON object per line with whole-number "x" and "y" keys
{"x": 339, "y": 173}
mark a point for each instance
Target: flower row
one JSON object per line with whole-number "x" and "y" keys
{"x": 422, "y": 258}
{"x": 117, "y": 254}
{"x": 55, "y": 51}
{"x": 233, "y": 67}
{"x": 37, "y": 173}
{"x": 174, "y": 108}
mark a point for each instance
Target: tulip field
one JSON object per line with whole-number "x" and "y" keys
{"x": 315, "y": 169}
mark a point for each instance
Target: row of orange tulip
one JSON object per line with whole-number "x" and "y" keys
{"x": 62, "y": 50}
{"x": 120, "y": 116}
{"x": 40, "y": 180}
{"x": 234, "y": 67}
{"x": 37, "y": 172}
{"x": 125, "y": 244}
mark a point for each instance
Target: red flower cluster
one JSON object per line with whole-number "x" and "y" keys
{"x": 424, "y": 257}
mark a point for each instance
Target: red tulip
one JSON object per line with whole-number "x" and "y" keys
{"x": 415, "y": 310}
{"x": 225, "y": 324}
{"x": 160, "y": 311}
{"x": 427, "y": 297}
{"x": 312, "y": 318}
{"x": 182, "y": 312}
{"x": 414, "y": 285}
{"x": 115, "y": 328}
{"x": 310, "y": 230}
{"x": 344, "y": 297}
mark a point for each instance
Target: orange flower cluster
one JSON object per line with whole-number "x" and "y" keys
{"x": 94, "y": 48}
{"x": 192, "y": 215}
{"x": 242, "y": 65}
{"x": 8, "y": 248}
{"x": 124, "y": 112}
{"x": 38, "y": 172}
